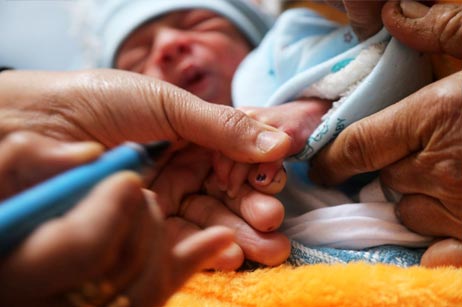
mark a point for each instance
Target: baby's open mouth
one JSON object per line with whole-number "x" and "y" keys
{"x": 192, "y": 76}
{"x": 196, "y": 78}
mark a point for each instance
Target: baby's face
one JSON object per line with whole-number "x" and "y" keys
{"x": 197, "y": 50}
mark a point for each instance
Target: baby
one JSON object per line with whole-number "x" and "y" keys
{"x": 198, "y": 45}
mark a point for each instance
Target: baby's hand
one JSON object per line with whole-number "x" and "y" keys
{"x": 298, "y": 118}
{"x": 230, "y": 176}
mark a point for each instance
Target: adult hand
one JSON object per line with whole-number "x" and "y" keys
{"x": 111, "y": 246}
{"x": 364, "y": 15}
{"x": 184, "y": 189}
{"x": 428, "y": 29}
{"x": 111, "y": 106}
{"x": 417, "y": 143}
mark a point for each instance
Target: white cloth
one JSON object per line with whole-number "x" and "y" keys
{"x": 369, "y": 222}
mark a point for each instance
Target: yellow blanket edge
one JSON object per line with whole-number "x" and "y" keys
{"x": 354, "y": 284}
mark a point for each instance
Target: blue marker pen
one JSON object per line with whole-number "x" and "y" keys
{"x": 22, "y": 213}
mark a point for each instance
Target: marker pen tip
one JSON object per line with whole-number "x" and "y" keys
{"x": 156, "y": 149}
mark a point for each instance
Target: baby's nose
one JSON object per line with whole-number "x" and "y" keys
{"x": 170, "y": 46}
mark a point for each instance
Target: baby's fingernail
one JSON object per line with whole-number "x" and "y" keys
{"x": 397, "y": 213}
{"x": 413, "y": 9}
{"x": 260, "y": 177}
{"x": 267, "y": 140}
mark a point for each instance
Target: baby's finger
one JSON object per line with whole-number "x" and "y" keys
{"x": 268, "y": 178}
{"x": 237, "y": 178}
{"x": 261, "y": 211}
{"x": 222, "y": 167}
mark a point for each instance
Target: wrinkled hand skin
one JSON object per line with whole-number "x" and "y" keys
{"x": 417, "y": 145}
{"x": 429, "y": 172}
{"x": 364, "y": 15}
{"x": 185, "y": 188}
{"x": 28, "y": 158}
{"x": 112, "y": 235}
{"x": 434, "y": 29}
{"x": 423, "y": 26}
{"x": 111, "y": 106}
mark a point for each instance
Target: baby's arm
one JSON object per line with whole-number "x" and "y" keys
{"x": 298, "y": 119}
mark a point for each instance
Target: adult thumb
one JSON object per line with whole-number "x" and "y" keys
{"x": 364, "y": 17}
{"x": 222, "y": 128}
{"x": 434, "y": 29}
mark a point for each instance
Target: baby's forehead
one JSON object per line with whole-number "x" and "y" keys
{"x": 179, "y": 17}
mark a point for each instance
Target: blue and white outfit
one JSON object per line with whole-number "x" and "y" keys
{"x": 305, "y": 55}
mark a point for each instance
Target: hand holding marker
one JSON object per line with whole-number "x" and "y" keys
{"x": 22, "y": 213}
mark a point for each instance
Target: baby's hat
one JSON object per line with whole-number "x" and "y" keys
{"x": 118, "y": 18}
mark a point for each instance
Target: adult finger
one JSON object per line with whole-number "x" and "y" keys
{"x": 428, "y": 216}
{"x": 199, "y": 250}
{"x": 266, "y": 248}
{"x": 222, "y": 128}
{"x": 159, "y": 110}
{"x": 229, "y": 260}
{"x": 447, "y": 252}
{"x": 364, "y": 16}
{"x": 86, "y": 236}
{"x": 428, "y": 29}
{"x": 423, "y": 123}
{"x": 373, "y": 142}
{"x": 420, "y": 174}
{"x": 171, "y": 265}
{"x": 112, "y": 106}
{"x": 184, "y": 175}
{"x": 261, "y": 211}
{"x": 27, "y": 158}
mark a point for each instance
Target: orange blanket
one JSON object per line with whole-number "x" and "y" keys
{"x": 354, "y": 284}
